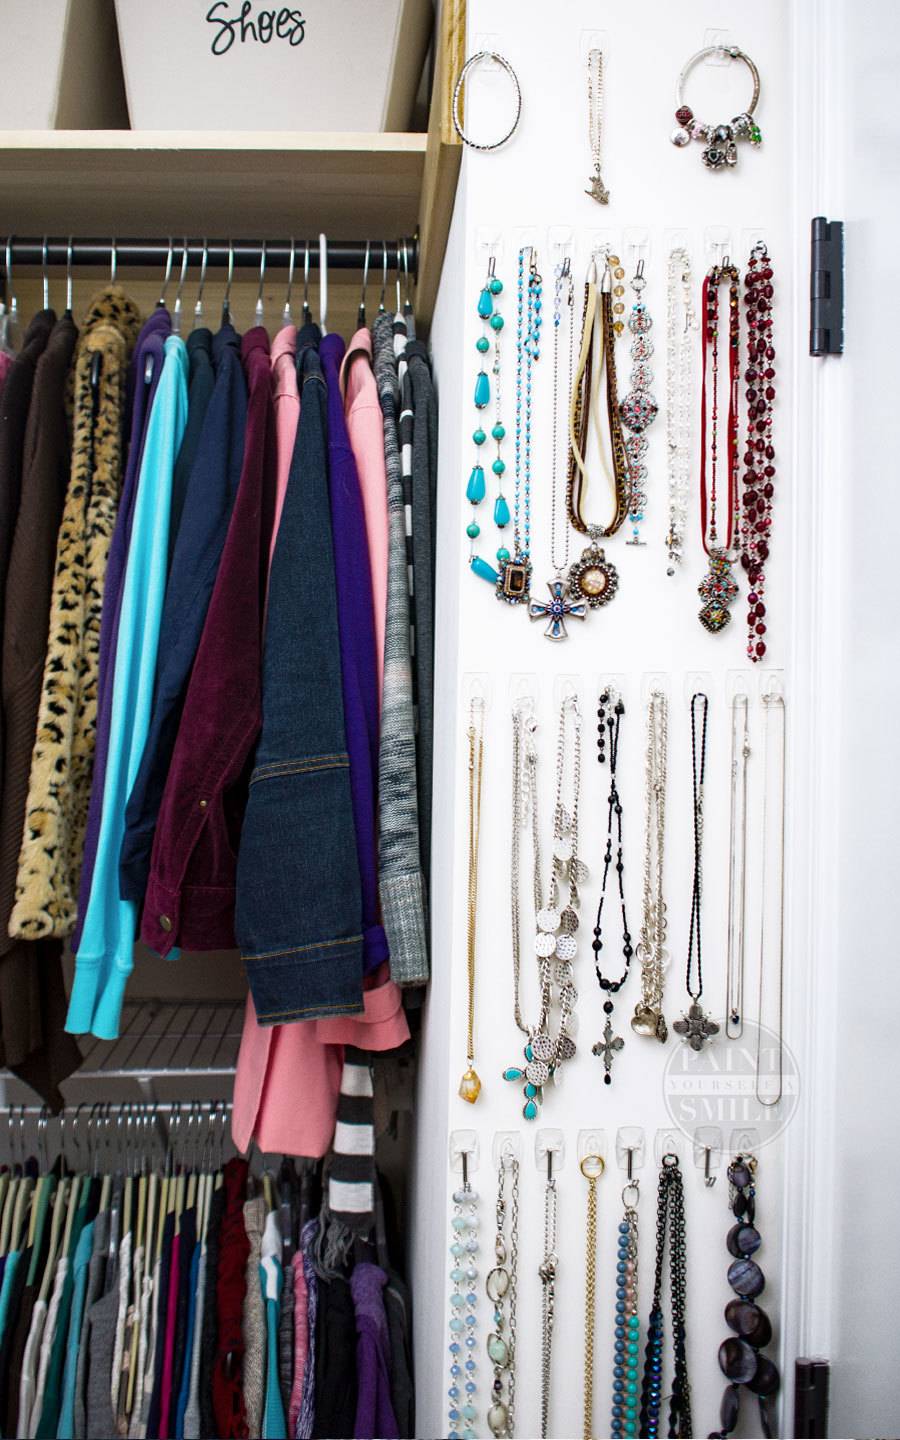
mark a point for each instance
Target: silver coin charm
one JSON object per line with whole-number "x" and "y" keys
{"x": 544, "y": 944}
{"x": 542, "y": 1047}
{"x": 537, "y": 1072}
{"x": 566, "y": 947}
{"x": 548, "y": 918}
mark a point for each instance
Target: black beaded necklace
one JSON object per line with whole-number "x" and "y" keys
{"x": 609, "y": 718}
{"x": 739, "y": 1356}
{"x": 669, "y": 1221}
{"x": 696, "y": 1027}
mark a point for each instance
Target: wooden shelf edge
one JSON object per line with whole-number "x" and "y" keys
{"x": 233, "y": 141}
{"x": 443, "y": 157}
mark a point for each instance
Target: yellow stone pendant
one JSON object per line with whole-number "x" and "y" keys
{"x": 469, "y": 1086}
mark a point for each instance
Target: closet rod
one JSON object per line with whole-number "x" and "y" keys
{"x": 247, "y": 254}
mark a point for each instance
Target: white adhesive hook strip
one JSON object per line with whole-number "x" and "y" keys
{"x": 591, "y": 1142}
{"x": 667, "y": 1142}
{"x": 463, "y": 1142}
{"x": 549, "y": 1149}
{"x": 506, "y": 1142}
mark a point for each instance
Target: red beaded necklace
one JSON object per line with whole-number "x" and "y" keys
{"x": 759, "y": 456}
{"x": 718, "y": 589}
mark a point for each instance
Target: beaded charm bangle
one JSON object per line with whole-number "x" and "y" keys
{"x": 719, "y": 151}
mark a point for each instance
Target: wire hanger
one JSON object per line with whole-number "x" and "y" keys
{"x": 361, "y": 312}
{"x": 69, "y": 276}
{"x": 226, "y": 303}
{"x": 176, "y": 309}
{"x": 323, "y": 283}
{"x": 384, "y": 277}
{"x": 307, "y": 311}
{"x": 259, "y": 312}
{"x": 286, "y": 316}
{"x": 45, "y": 273}
{"x": 10, "y": 316}
{"x": 407, "y": 301}
{"x": 167, "y": 277}
{"x": 198, "y": 305}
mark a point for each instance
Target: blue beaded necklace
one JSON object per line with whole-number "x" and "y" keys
{"x": 513, "y": 577}
{"x": 476, "y": 490}
{"x": 626, "y": 1355}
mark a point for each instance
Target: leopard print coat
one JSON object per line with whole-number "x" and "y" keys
{"x": 63, "y": 756}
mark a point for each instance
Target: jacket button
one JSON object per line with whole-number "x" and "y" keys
{"x": 203, "y": 804}
{"x": 165, "y": 922}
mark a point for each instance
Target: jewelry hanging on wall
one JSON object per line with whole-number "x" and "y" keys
{"x": 609, "y": 717}
{"x": 596, "y": 102}
{"x": 681, "y": 321}
{"x": 547, "y": 1275}
{"x": 639, "y": 409}
{"x": 627, "y": 1348}
{"x": 669, "y": 1227}
{"x": 737, "y": 869}
{"x": 648, "y": 1018}
{"x": 759, "y": 457}
{"x": 512, "y": 579}
{"x": 470, "y": 1084}
{"x": 772, "y": 912}
{"x": 740, "y": 1359}
{"x": 561, "y": 605}
{"x": 592, "y": 577}
{"x": 502, "y": 1288}
{"x": 458, "y": 99}
{"x": 696, "y": 1027}
{"x": 555, "y": 943}
{"x": 717, "y": 589}
{"x": 476, "y": 490}
{"x": 463, "y": 1308}
{"x": 592, "y": 1167}
{"x": 720, "y": 149}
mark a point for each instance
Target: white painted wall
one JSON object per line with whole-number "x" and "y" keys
{"x": 518, "y": 196}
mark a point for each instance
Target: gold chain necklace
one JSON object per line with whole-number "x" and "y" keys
{"x": 470, "y": 1085}
{"x": 592, "y": 1167}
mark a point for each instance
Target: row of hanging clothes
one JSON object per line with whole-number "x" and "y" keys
{"x": 216, "y": 571}
{"x": 151, "y": 1287}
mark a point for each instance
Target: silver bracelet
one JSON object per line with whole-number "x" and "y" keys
{"x": 720, "y": 149}
{"x": 476, "y": 59}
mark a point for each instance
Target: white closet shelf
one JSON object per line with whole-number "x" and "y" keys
{"x": 211, "y": 182}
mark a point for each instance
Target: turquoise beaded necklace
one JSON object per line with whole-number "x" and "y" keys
{"x": 476, "y": 490}
{"x": 513, "y": 578}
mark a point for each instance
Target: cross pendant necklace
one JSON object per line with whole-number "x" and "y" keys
{"x": 696, "y": 1027}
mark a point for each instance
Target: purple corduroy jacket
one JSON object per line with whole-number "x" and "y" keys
{"x": 190, "y": 892}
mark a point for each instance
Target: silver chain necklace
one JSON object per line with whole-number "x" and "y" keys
{"x": 596, "y": 97}
{"x": 681, "y": 320}
{"x": 547, "y": 1274}
{"x": 774, "y": 745}
{"x": 502, "y": 1289}
{"x": 737, "y": 869}
{"x": 555, "y": 942}
{"x": 648, "y": 1018}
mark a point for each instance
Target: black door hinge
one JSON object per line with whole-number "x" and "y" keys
{"x": 811, "y": 1396}
{"x": 826, "y": 287}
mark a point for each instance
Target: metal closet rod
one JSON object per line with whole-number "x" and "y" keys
{"x": 247, "y": 254}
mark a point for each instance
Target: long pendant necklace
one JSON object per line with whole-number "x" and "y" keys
{"x": 476, "y": 489}
{"x": 639, "y": 409}
{"x": 669, "y": 1225}
{"x": 561, "y": 606}
{"x": 737, "y": 869}
{"x": 627, "y": 1349}
{"x": 740, "y": 1359}
{"x": 696, "y": 1027}
{"x": 547, "y": 1275}
{"x": 718, "y": 589}
{"x": 555, "y": 943}
{"x": 772, "y": 915}
{"x": 592, "y": 1167}
{"x": 502, "y": 1289}
{"x": 592, "y": 577}
{"x": 648, "y": 1018}
{"x": 681, "y": 321}
{"x": 470, "y": 1084}
{"x": 759, "y": 457}
{"x": 611, "y": 1043}
{"x": 463, "y": 1306}
{"x": 596, "y": 188}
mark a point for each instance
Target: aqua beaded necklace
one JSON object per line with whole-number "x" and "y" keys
{"x": 512, "y": 579}
{"x": 492, "y": 325}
